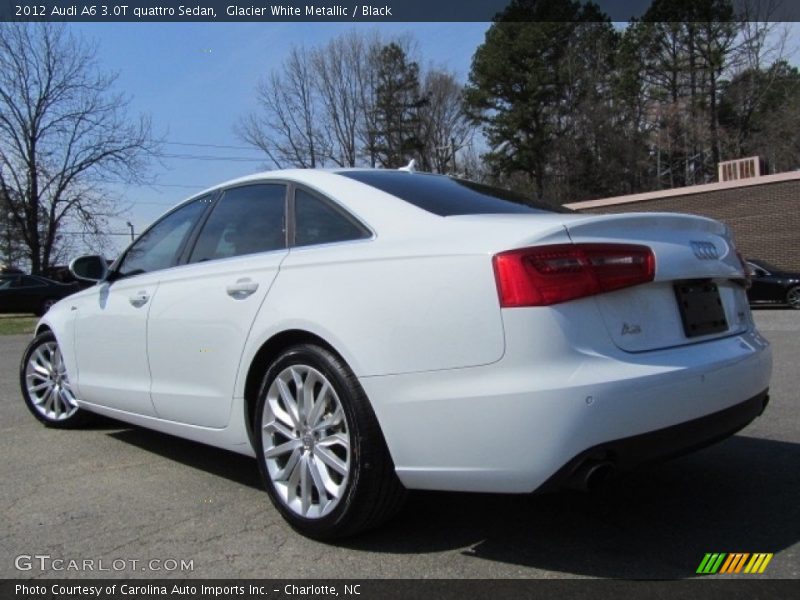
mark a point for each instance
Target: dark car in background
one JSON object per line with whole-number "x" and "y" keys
{"x": 772, "y": 285}
{"x": 31, "y": 293}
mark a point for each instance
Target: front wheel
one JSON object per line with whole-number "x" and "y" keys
{"x": 323, "y": 458}
{"x": 793, "y": 297}
{"x": 46, "y": 387}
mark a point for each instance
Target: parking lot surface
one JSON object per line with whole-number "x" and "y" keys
{"x": 138, "y": 500}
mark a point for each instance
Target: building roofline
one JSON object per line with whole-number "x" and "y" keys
{"x": 684, "y": 191}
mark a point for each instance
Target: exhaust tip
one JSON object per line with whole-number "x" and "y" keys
{"x": 590, "y": 475}
{"x": 597, "y": 474}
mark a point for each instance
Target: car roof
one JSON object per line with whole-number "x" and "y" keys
{"x": 375, "y": 209}
{"x": 394, "y": 219}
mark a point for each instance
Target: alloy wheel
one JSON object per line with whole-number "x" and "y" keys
{"x": 306, "y": 441}
{"x": 48, "y": 385}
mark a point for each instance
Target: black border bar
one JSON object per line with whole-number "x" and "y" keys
{"x": 325, "y": 10}
{"x": 387, "y": 589}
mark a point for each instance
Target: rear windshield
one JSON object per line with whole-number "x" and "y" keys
{"x": 448, "y": 196}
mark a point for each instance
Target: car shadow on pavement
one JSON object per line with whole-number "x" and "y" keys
{"x": 230, "y": 465}
{"x": 739, "y": 496}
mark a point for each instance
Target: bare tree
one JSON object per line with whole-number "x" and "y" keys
{"x": 63, "y": 133}
{"x": 12, "y": 248}
{"x": 338, "y": 68}
{"x": 320, "y": 107}
{"x": 286, "y": 127}
{"x": 446, "y": 129}
{"x": 763, "y": 40}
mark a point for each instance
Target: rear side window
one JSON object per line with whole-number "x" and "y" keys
{"x": 448, "y": 196}
{"x": 317, "y": 222}
{"x": 246, "y": 220}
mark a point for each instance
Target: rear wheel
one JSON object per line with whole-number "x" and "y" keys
{"x": 324, "y": 461}
{"x": 46, "y": 387}
{"x": 793, "y": 297}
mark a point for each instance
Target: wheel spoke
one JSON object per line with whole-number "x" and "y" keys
{"x": 38, "y": 386}
{"x": 298, "y": 395}
{"x": 278, "y": 427}
{"x": 67, "y": 387}
{"x": 307, "y": 398}
{"x": 40, "y": 400}
{"x": 291, "y": 464}
{"x": 56, "y": 403}
{"x": 333, "y": 490}
{"x": 284, "y": 448}
{"x": 305, "y": 486}
{"x": 336, "y": 439}
{"x": 42, "y": 361}
{"x": 320, "y": 403}
{"x": 289, "y": 402}
{"x": 67, "y": 399}
{"x": 294, "y": 479}
{"x": 280, "y": 414}
{"x": 40, "y": 370}
{"x": 319, "y": 483}
{"x": 331, "y": 460}
{"x": 332, "y": 420}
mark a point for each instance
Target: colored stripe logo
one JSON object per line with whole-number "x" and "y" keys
{"x": 736, "y": 562}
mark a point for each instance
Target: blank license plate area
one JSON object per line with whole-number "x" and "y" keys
{"x": 701, "y": 308}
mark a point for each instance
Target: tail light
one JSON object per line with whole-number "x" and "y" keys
{"x": 545, "y": 275}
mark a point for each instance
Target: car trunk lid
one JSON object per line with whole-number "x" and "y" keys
{"x": 696, "y": 294}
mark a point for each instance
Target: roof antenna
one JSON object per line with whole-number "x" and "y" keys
{"x": 411, "y": 167}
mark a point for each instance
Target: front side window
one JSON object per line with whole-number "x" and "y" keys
{"x": 317, "y": 222}
{"x": 247, "y": 219}
{"x": 159, "y": 246}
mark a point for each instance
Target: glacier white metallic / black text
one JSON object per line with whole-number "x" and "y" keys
{"x": 363, "y": 332}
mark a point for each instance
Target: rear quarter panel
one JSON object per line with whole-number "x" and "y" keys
{"x": 387, "y": 311}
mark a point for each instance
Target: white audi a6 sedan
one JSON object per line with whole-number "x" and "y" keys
{"x": 364, "y": 332}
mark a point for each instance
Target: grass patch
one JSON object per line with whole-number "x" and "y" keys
{"x": 17, "y": 324}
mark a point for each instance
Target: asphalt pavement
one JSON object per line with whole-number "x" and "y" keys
{"x": 138, "y": 504}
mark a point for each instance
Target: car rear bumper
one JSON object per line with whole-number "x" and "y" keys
{"x": 514, "y": 425}
{"x": 661, "y": 444}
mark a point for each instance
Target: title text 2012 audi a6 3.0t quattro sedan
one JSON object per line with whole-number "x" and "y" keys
{"x": 364, "y": 332}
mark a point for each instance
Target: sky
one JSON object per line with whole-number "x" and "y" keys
{"x": 196, "y": 80}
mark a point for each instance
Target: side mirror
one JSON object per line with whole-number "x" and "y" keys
{"x": 89, "y": 268}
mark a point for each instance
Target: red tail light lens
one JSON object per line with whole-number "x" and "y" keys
{"x": 545, "y": 275}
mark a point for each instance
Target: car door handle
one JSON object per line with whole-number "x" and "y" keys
{"x": 242, "y": 288}
{"x": 139, "y": 299}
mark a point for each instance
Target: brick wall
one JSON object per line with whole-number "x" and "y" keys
{"x": 765, "y": 218}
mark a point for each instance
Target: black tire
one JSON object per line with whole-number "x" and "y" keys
{"x": 68, "y": 418}
{"x": 372, "y": 492}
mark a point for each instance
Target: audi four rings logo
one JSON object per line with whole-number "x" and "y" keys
{"x": 705, "y": 250}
